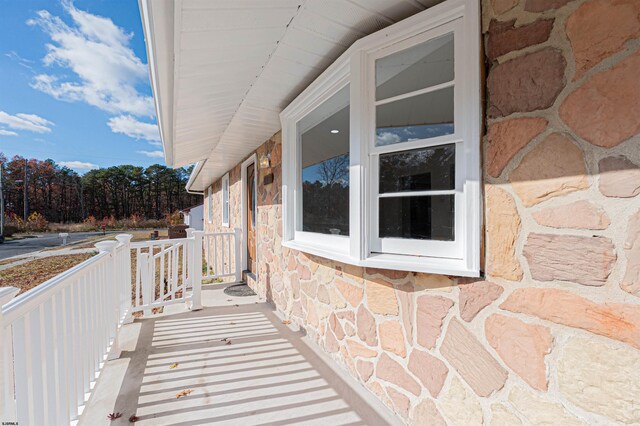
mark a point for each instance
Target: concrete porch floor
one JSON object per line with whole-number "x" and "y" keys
{"x": 269, "y": 374}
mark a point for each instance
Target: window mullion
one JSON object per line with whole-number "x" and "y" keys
{"x": 358, "y": 143}
{"x": 415, "y": 93}
{"x": 416, "y": 193}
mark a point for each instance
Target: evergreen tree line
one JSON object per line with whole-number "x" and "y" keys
{"x": 61, "y": 195}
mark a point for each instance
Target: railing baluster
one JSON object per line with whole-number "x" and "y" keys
{"x": 20, "y": 349}
{"x": 137, "y": 295}
{"x": 7, "y": 373}
{"x": 237, "y": 239}
{"x": 215, "y": 256}
{"x": 104, "y": 301}
{"x": 207, "y": 253}
{"x": 86, "y": 333}
{"x": 35, "y": 366}
{"x": 95, "y": 315}
{"x": 77, "y": 360}
{"x": 50, "y": 352}
{"x": 228, "y": 269}
{"x": 62, "y": 353}
{"x": 162, "y": 254}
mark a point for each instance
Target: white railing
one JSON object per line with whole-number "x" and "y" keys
{"x": 55, "y": 338}
{"x": 163, "y": 273}
{"x": 222, "y": 255}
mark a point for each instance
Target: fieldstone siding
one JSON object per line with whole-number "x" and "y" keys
{"x": 551, "y": 334}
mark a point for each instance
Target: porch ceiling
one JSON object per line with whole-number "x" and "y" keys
{"x": 223, "y": 70}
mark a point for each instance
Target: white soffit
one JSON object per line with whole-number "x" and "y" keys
{"x": 223, "y": 70}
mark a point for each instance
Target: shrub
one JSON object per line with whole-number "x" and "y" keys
{"x": 91, "y": 221}
{"x": 36, "y": 223}
{"x": 175, "y": 218}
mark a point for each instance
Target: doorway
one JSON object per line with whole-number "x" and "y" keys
{"x": 249, "y": 217}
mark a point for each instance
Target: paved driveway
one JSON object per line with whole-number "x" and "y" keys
{"x": 41, "y": 241}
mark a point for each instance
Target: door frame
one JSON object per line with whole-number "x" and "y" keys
{"x": 253, "y": 159}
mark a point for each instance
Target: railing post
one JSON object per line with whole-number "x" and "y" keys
{"x": 124, "y": 292}
{"x": 237, "y": 239}
{"x": 196, "y": 284}
{"x": 112, "y": 284}
{"x": 146, "y": 280}
{"x": 188, "y": 253}
{"x": 189, "y": 232}
{"x": 7, "y": 401}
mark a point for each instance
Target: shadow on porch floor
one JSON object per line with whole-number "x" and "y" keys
{"x": 268, "y": 374}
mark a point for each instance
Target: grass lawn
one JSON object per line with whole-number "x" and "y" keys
{"x": 30, "y": 274}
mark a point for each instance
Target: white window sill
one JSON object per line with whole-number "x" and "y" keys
{"x": 431, "y": 265}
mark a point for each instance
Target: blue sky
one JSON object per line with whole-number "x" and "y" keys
{"x": 74, "y": 83}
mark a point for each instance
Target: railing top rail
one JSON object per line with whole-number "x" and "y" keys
{"x": 34, "y": 297}
{"x": 172, "y": 247}
{"x": 208, "y": 234}
{"x": 143, "y": 244}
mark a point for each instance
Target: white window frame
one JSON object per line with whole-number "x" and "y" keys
{"x": 225, "y": 190}
{"x": 210, "y": 205}
{"x": 356, "y": 67}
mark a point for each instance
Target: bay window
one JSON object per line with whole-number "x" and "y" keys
{"x": 381, "y": 153}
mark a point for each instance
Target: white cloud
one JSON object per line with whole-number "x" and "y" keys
{"x": 79, "y": 165}
{"x": 98, "y": 52}
{"x": 30, "y": 122}
{"x": 133, "y": 128}
{"x": 20, "y": 60}
{"x": 7, "y": 133}
{"x": 152, "y": 154}
{"x": 387, "y": 138}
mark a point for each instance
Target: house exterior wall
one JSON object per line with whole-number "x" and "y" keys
{"x": 552, "y": 333}
{"x": 194, "y": 218}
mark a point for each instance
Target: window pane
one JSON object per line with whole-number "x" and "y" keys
{"x": 419, "y": 218}
{"x": 418, "y": 67}
{"x": 423, "y": 169}
{"x": 324, "y": 138}
{"x": 419, "y": 117}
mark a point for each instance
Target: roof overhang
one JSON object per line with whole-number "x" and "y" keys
{"x": 223, "y": 70}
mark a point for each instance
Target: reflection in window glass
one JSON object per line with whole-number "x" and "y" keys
{"x": 418, "y": 67}
{"x": 324, "y": 139}
{"x": 419, "y": 117}
{"x": 423, "y": 169}
{"x": 418, "y": 218}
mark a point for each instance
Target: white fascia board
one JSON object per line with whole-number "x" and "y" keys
{"x": 192, "y": 178}
{"x": 155, "y": 15}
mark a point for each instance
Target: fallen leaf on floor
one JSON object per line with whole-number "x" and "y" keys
{"x": 232, "y": 323}
{"x": 113, "y": 416}
{"x": 183, "y": 393}
{"x": 286, "y": 322}
{"x": 133, "y": 418}
{"x": 237, "y": 305}
{"x": 224, "y": 340}
{"x": 229, "y": 300}
{"x": 228, "y": 343}
{"x": 174, "y": 365}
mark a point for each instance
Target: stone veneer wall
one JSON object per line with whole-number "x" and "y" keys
{"x": 552, "y": 335}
